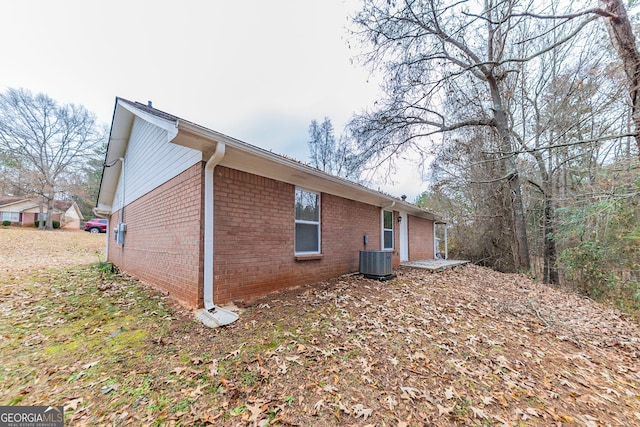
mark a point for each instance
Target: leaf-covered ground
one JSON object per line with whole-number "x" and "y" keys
{"x": 463, "y": 347}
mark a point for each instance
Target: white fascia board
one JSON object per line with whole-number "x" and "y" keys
{"x": 169, "y": 125}
{"x": 123, "y": 119}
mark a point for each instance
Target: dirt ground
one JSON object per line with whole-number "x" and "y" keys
{"x": 464, "y": 347}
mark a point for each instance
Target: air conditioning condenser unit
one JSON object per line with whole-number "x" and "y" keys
{"x": 377, "y": 264}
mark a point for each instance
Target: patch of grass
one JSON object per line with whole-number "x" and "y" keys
{"x": 249, "y": 378}
{"x": 289, "y": 400}
{"x": 462, "y": 408}
{"x": 15, "y": 400}
{"x": 61, "y": 348}
{"x": 238, "y": 410}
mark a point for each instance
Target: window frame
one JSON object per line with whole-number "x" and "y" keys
{"x": 10, "y": 216}
{"x": 385, "y": 230}
{"x": 307, "y": 222}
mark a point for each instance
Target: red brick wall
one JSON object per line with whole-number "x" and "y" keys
{"x": 164, "y": 238}
{"x": 254, "y": 236}
{"x": 420, "y": 238}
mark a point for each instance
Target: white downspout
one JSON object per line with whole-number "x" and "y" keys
{"x": 212, "y": 316}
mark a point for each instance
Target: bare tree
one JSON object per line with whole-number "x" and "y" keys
{"x": 428, "y": 48}
{"x": 330, "y": 155}
{"x": 46, "y": 140}
{"x": 565, "y": 108}
{"x": 322, "y": 144}
{"x": 424, "y": 46}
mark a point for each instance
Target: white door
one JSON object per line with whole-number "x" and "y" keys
{"x": 404, "y": 237}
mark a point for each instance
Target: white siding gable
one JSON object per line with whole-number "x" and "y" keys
{"x": 151, "y": 160}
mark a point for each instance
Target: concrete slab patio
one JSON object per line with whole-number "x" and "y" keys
{"x": 434, "y": 265}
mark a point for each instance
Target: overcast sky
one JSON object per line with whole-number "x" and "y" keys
{"x": 256, "y": 70}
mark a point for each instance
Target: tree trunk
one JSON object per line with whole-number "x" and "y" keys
{"x": 519, "y": 244}
{"x": 550, "y": 273}
{"x": 521, "y": 254}
{"x": 49, "y": 225}
{"x": 623, "y": 39}
{"x": 41, "y": 214}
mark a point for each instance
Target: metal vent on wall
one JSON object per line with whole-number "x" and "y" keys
{"x": 376, "y": 264}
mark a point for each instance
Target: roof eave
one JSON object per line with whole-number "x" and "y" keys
{"x": 256, "y": 160}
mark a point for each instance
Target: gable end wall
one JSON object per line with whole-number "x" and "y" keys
{"x": 164, "y": 238}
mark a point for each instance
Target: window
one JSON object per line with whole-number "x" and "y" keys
{"x": 387, "y": 230}
{"x": 10, "y": 216}
{"x": 307, "y": 222}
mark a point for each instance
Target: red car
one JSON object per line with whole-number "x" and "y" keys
{"x": 96, "y": 225}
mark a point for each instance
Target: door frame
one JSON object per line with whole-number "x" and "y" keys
{"x": 404, "y": 236}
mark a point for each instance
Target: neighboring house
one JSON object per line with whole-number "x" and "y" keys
{"x": 213, "y": 220}
{"x": 24, "y": 211}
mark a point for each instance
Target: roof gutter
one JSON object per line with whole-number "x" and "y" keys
{"x": 211, "y": 316}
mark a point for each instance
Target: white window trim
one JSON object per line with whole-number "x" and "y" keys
{"x": 392, "y": 229}
{"x": 301, "y": 221}
{"x": 10, "y": 216}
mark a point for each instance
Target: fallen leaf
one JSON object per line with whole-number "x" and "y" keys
{"x": 197, "y": 392}
{"x": 411, "y": 393}
{"x": 360, "y": 411}
{"x": 109, "y": 388}
{"x": 477, "y": 412}
{"x": 533, "y": 412}
{"x": 445, "y": 411}
{"x": 294, "y": 359}
{"x": 89, "y": 365}
{"x": 255, "y": 410}
{"x": 488, "y": 400}
{"x": 329, "y": 388}
{"x": 72, "y": 404}
{"x": 391, "y": 402}
{"x": 449, "y": 393}
{"x": 213, "y": 369}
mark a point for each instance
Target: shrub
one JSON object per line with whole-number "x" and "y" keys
{"x": 6, "y": 223}
{"x": 56, "y": 224}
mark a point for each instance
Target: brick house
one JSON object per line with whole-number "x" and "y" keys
{"x": 25, "y": 212}
{"x": 213, "y": 220}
